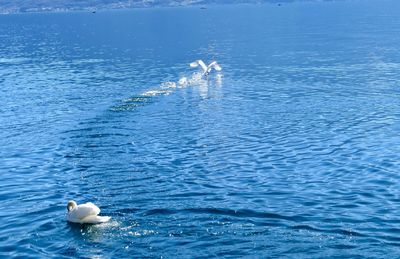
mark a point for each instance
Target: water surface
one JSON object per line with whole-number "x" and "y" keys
{"x": 291, "y": 151}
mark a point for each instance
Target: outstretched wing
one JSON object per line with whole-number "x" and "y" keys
{"x": 197, "y": 63}
{"x": 215, "y": 65}
{"x": 194, "y": 64}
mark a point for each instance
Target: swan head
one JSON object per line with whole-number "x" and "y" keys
{"x": 71, "y": 205}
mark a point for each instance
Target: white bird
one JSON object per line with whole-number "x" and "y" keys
{"x": 206, "y": 69}
{"x": 85, "y": 213}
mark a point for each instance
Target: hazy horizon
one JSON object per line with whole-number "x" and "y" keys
{"x": 21, "y": 6}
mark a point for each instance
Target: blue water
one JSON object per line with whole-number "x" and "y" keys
{"x": 292, "y": 150}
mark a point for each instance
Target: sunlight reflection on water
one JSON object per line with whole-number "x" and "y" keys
{"x": 290, "y": 151}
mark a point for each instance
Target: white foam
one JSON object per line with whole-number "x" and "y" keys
{"x": 156, "y": 92}
{"x": 110, "y": 224}
{"x": 183, "y": 81}
{"x": 196, "y": 79}
{"x": 168, "y": 85}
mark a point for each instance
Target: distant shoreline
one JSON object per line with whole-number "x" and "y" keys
{"x": 131, "y": 6}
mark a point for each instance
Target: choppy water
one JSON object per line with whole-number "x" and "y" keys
{"x": 292, "y": 151}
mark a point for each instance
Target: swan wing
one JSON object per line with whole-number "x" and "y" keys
{"x": 194, "y": 64}
{"x": 199, "y": 63}
{"x": 217, "y": 67}
{"x": 214, "y": 65}
{"x": 203, "y": 66}
{"x": 84, "y": 210}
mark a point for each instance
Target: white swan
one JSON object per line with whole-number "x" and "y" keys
{"x": 206, "y": 69}
{"x": 85, "y": 213}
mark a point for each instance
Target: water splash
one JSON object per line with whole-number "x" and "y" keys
{"x": 166, "y": 88}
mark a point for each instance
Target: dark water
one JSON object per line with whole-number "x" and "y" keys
{"x": 292, "y": 151}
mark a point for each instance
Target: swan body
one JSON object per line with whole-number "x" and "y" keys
{"x": 206, "y": 69}
{"x": 85, "y": 213}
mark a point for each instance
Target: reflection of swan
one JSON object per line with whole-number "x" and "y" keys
{"x": 206, "y": 69}
{"x": 84, "y": 213}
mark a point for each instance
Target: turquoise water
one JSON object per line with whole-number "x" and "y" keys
{"x": 291, "y": 151}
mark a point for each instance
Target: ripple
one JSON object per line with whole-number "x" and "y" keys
{"x": 14, "y": 61}
{"x": 291, "y": 152}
